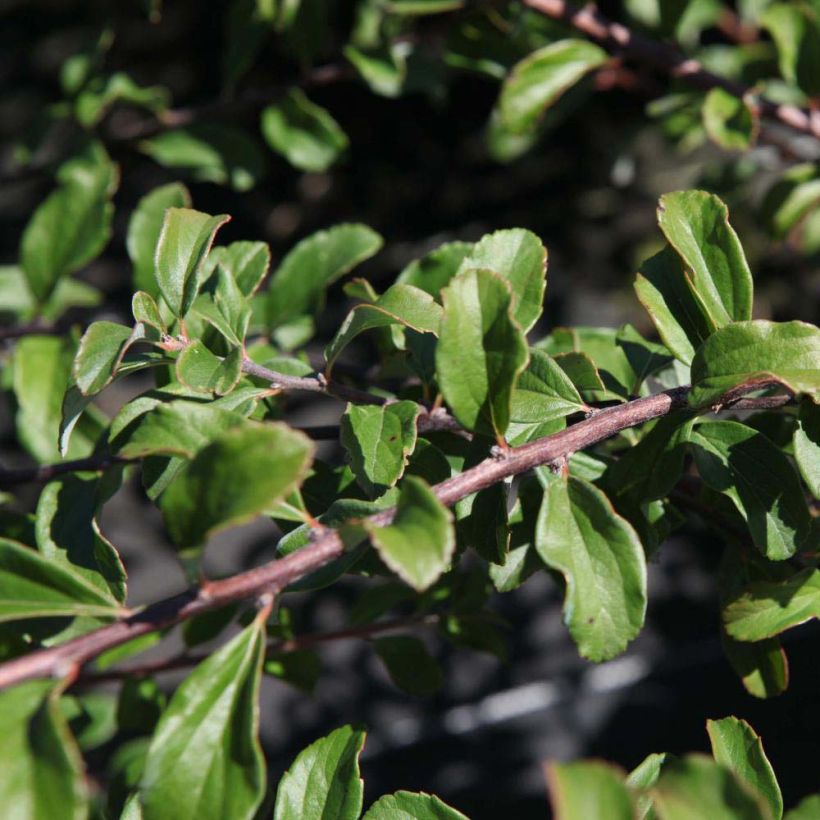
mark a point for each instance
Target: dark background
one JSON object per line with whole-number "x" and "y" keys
{"x": 418, "y": 172}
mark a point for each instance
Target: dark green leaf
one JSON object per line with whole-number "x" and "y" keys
{"x": 145, "y": 310}
{"x": 419, "y": 544}
{"x": 383, "y": 69}
{"x": 807, "y": 445}
{"x": 300, "y": 668}
{"x": 796, "y": 32}
{"x": 246, "y": 262}
{"x": 791, "y": 198}
{"x": 324, "y": 780}
{"x": 100, "y": 352}
{"x": 205, "y": 760}
{"x": 544, "y": 392}
{"x": 481, "y": 351}
{"x": 434, "y": 271}
{"x": 590, "y": 790}
{"x": 762, "y": 665}
{"x": 410, "y": 666}
{"x": 602, "y": 561}
{"x": 200, "y": 370}
{"x": 411, "y": 806}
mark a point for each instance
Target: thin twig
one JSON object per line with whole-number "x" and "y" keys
{"x": 618, "y": 38}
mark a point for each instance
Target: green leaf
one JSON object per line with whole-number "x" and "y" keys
{"x": 666, "y": 291}
{"x": 100, "y": 352}
{"x": 744, "y": 465}
{"x": 768, "y": 608}
{"x": 729, "y": 120}
{"x": 762, "y": 665}
{"x": 736, "y": 746}
{"x": 146, "y": 310}
{"x": 538, "y": 81}
{"x": 65, "y": 233}
{"x": 807, "y": 445}
{"x": 200, "y": 370}
{"x": 602, "y": 561}
{"x": 420, "y": 7}
{"x": 795, "y": 30}
{"x": 419, "y": 544}
{"x": 410, "y": 666}
{"x": 184, "y": 242}
{"x": 696, "y": 786}
{"x": 210, "y": 152}
{"x": 757, "y": 351}
{"x": 696, "y": 224}
{"x": 205, "y": 760}
{"x": 641, "y": 778}
{"x": 303, "y": 132}
{"x": 400, "y": 304}
{"x": 241, "y": 473}
{"x": 32, "y": 586}
{"x": 378, "y": 440}
{"x": 98, "y": 96}
{"x": 225, "y": 307}
{"x": 246, "y": 262}
{"x": 299, "y": 283}
{"x": 582, "y": 371}
{"x": 68, "y": 533}
{"x": 481, "y": 351}
{"x": 300, "y": 668}
{"x": 808, "y": 809}
{"x": 324, "y": 781}
{"x": 434, "y": 271}
{"x": 144, "y": 230}
{"x": 544, "y": 392}
{"x": 519, "y": 257}
{"x": 794, "y": 196}
{"x": 41, "y": 772}
{"x": 590, "y": 790}
{"x": 383, "y": 69}
{"x": 411, "y": 806}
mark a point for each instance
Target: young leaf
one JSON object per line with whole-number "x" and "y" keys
{"x": 435, "y": 270}
{"x": 146, "y": 310}
{"x": 303, "y": 132}
{"x": 324, "y": 779}
{"x": 768, "y": 608}
{"x": 729, "y": 120}
{"x": 736, "y": 746}
{"x": 696, "y": 224}
{"x": 100, "y": 352}
{"x": 590, "y": 790}
{"x": 184, "y": 242}
{"x": 538, "y": 81}
{"x": 403, "y": 305}
{"x": 744, "y": 465}
{"x": 602, "y": 561}
{"x": 225, "y": 307}
{"x": 241, "y": 473}
{"x": 419, "y": 544}
{"x": 666, "y": 291}
{"x": 205, "y": 760}
{"x": 378, "y": 440}
{"x": 32, "y": 586}
{"x": 544, "y": 392}
{"x": 519, "y": 257}
{"x": 144, "y": 230}
{"x": 247, "y": 264}
{"x": 696, "y": 786}
{"x": 41, "y": 774}
{"x": 200, "y": 370}
{"x": 481, "y": 351}
{"x": 757, "y": 352}
{"x": 299, "y": 283}
{"x": 807, "y": 445}
{"x": 410, "y": 666}
{"x": 411, "y": 806}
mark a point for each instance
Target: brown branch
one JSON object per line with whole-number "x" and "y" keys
{"x": 618, "y": 38}
{"x": 48, "y": 472}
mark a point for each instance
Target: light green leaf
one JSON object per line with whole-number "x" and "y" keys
{"x": 246, "y": 262}
{"x": 795, "y": 30}
{"x": 768, "y": 608}
{"x": 808, "y": 809}
{"x": 98, "y": 96}
{"x": 100, "y": 352}
{"x": 225, "y": 307}
{"x": 303, "y": 132}
{"x": 410, "y": 666}
{"x": 696, "y": 224}
{"x": 538, "y": 81}
{"x": 419, "y": 544}
{"x": 736, "y": 746}
{"x": 41, "y": 771}
{"x": 184, "y": 242}
{"x": 544, "y": 392}
{"x": 383, "y": 69}
{"x": 434, "y": 271}
{"x": 696, "y": 786}
{"x": 580, "y": 535}
{"x": 32, "y": 586}
{"x": 794, "y": 196}
{"x": 324, "y": 781}
{"x": 420, "y": 7}
{"x": 757, "y": 351}
{"x": 210, "y": 152}
{"x": 729, "y": 120}
{"x": 411, "y": 806}
{"x": 666, "y": 291}
{"x": 400, "y": 304}
{"x": 807, "y": 445}
{"x": 144, "y": 230}
{"x": 481, "y": 351}
{"x": 641, "y": 778}
{"x": 582, "y": 371}
{"x": 590, "y": 790}
{"x": 299, "y": 283}
{"x": 205, "y": 760}
{"x": 744, "y": 465}
{"x": 200, "y": 370}
{"x": 378, "y": 440}
{"x": 146, "y": 310}
{"x": 239, "y": 474}
{"x": 519, "y": 257}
